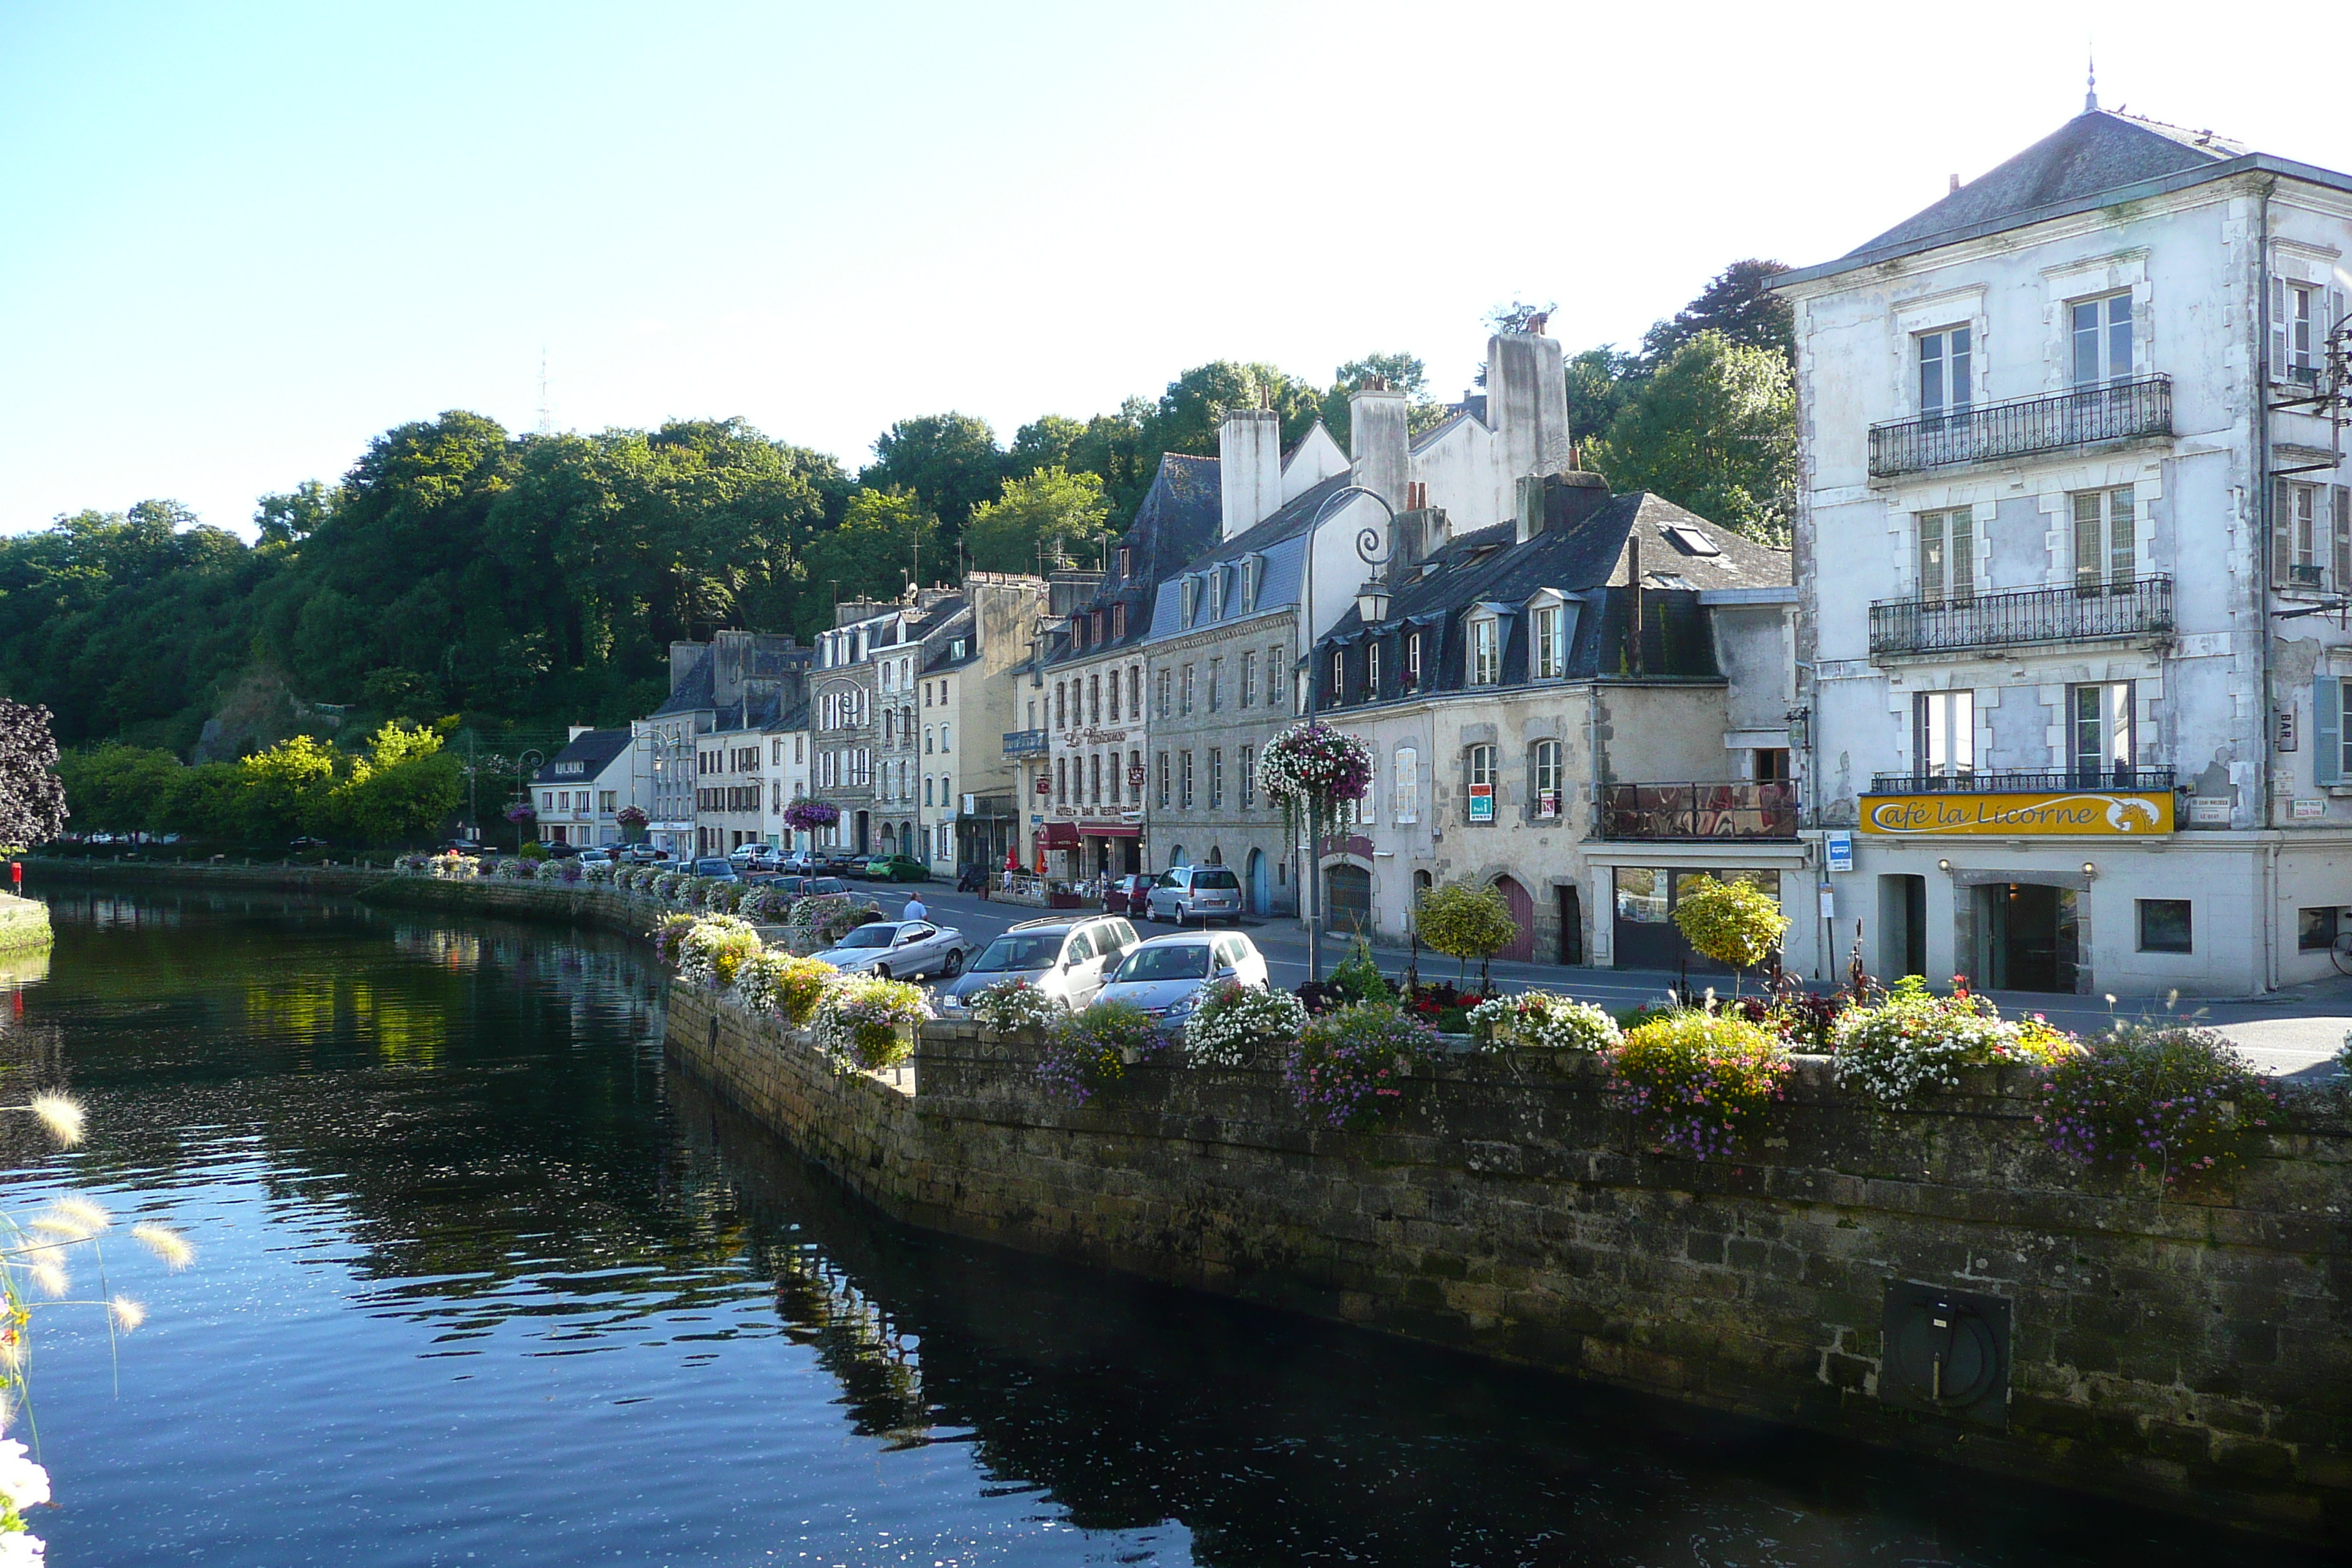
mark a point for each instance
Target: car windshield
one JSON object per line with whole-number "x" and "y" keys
{"x": 870, "y": 936}
{"x": 1185, "y": 960}
{"x": 1025, "y": 951}
{"x": 1220, "y": 879}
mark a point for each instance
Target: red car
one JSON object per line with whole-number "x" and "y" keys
{"x": 1130, "y": 895}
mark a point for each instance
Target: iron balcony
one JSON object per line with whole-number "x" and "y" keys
{"x": 2114, "y": 778}
{"x": 1743, "y": 808}
{"x": 2021, "y": 427}
{"x": 2137, "y": 607}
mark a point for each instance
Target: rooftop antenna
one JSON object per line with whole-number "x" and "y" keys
{"x": 2091, "y": 86}
{"x": 546, "y": 411}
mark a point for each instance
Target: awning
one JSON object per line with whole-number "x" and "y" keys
{"x": 1112, "y": 829}
{"x": 1059, "y": 835}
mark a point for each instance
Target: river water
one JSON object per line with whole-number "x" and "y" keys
{"x": 481, "y": 1281}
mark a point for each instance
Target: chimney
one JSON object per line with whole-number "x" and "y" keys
{"x": 574, "y": 732}
{"x": 682, "y": 656}
{"x": 1556, "y": 503}
{"x": 1249, "y": 453}
{"x": 1378, "y": 444}
{"x": 1526, "y": 401}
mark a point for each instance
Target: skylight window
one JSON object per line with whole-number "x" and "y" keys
{"x": 1690, "y": 541}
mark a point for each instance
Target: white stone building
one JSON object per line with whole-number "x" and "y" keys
{"x": 584, "y": 787}
{"x": 2069, "y": 500}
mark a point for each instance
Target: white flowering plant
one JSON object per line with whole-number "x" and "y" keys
{"x": 1914, "y": 1043}
{"x": 784, "y": 984}
{"x": 714, "y": 948}
{"x": 1539, "y": 1020}
{"x": 516, "y": 869}
{"x": 868, "y": 1022}
{"x": 1312, "y": 767}
{"x": 601, "y": 872}
{"x": 1014, "y": 1006}
{"x": 1236, "y": 1022}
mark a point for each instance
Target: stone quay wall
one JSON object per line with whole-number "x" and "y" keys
{"x": 2190, "y": 1353}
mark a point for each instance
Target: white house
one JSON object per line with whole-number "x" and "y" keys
{"x": 2071, "y": 509}
{"x": 583, "y": 787}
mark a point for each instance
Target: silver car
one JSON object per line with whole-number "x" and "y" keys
{"x": 1197, "y": 893}
{"x": 900, "y": 950}
{"x": 1067, "y": 959}
{"x": 1168, "y": 976}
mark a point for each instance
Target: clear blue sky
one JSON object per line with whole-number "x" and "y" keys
{"x": 237, "y": 240}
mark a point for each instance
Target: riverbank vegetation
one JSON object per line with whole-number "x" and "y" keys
{"x": 398, "y": 785}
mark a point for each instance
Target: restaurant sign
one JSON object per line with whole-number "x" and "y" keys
{"x": 2094, "y": 813}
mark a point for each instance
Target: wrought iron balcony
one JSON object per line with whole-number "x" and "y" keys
{"x": 1744, "y": 808}
{"x": 2021, "y": 427}
{"x": 2111, "y": 778}
{"x": 1027, "y": 742}
{"x": 2137, "y": 607}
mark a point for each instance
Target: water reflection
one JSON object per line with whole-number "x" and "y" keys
{"x": 481, "y": 1280}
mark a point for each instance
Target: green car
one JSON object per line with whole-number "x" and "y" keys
{"x": 897, "y": 868}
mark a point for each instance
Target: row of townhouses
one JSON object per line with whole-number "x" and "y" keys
{"x": 2051, "y": 690}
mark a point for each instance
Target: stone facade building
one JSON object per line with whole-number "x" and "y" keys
{"x": 705, "y": 680}
{"x": 2071, "y": 506}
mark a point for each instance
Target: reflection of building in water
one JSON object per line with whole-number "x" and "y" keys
{"x": 588, "y": 979}
{"x": 856, "y": 1339}
{"x": 106, "y": 912}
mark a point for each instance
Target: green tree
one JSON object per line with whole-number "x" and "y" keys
{"x": 285, "y": 788}
{"x": 884, "y": 534}
{"x": 1713, "y": 429}
{"x": 1465, "y": 920}
{"x": 402, "y": 788}
{"x": 115, "y": 788}
{"x": 1050, "y": 511}
{"x": 1737, "y": 923}
{"x": 1737, "y": 302}
{"x": 950, "y": 461}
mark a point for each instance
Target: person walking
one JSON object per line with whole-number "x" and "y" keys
{"x": 914, "y": 910}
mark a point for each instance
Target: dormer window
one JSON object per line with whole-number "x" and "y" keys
{"x": 1188, "y": 598}
{"x": 1125, "y": 561}
{"x": 1371, "y": 672}
{"x": 1098, "y": 625}
{"x": 1253, "y": 577}
{"x": 1485, "y": 650}
{"x": 1119, "y": 620}
{"x": 1339, "y": 675}
{"x": 1551, "y": 626}
{"x": 1413, "y": 662}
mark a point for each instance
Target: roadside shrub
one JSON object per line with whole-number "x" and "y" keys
{"x": 1348, "y": 1068}
{"x": 1538, "y": 1020}
{"x": 1088, "y": 1051}
{"x": 2167, "y": 1097}
{"x": 1696, "y": 1081}
{"x": 667, "y": 936}
{"x": 532, "y": 850}
{"x": 1737, "y": 923}
{"x": 1014, "y": 1006}
{"x": 1914, "y": 1043}
{"x": 864, "y": 1021}
{"x": 1465, "y": 922}
{"x": 784, "y": 984}
{"x": 1358, "y": 978}
{"x": 714, "y": 948}
{"x": 1236, "y": 1022}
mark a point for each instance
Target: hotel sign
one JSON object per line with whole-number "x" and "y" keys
{"x": 2085, "y": 813}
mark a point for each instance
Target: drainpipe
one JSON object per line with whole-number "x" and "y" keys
{"x": 2268, "y": 546}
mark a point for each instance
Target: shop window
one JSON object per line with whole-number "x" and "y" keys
{"x": 2315, "y": 929}
{"x": 2164, "y": 925}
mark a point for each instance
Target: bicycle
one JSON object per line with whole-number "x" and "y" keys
{"x": 2341, "y": 950}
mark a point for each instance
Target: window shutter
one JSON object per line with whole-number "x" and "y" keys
{"x": 2340, "y": 510}
{"x": 2327, "y": 721}
{"x": 2278, "y": 329}
{"x": 2282, "y": 530}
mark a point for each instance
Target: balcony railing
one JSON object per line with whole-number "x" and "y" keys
{"x": 1743, "y": 808}
{"x": 2021, "y": 427}
{"x": 1027, "y": 742}
{"x": 2114, "y": 778}
{"x": 2138, "y": 607}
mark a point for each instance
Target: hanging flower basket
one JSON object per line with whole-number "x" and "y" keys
{"x": 808, "y": 816}
{"x": 631, "y": 816}
{"x": 1311, "y": 768}
{"x": 521, "y": 811}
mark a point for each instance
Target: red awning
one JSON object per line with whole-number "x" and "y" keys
{"x": 1059, "y": 835}
{"x": 1112, "y": 829}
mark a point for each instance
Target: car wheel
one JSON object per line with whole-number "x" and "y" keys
{"x": 954, "y": 965}
{"x": 882, "y": 970}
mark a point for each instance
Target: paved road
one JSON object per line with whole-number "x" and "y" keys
{"x": 2296, "y": 1032}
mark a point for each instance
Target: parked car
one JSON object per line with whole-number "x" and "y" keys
{"x": 640, "y": 854}
{"x": 1066, "y": 958}
{"x": 806, "y": 887}
{"x": 305, "y": 842}
{"x": 562, "y": 851}
{"x": 462, "y": 846}
{"x": 900, "y": 950}
{"x": 1166, "y": 976}
{"x": 1200, "y": 893}
{"x": 798, "y": 862}
{"x": 716, "y": 866}
{"x": 897, "y": 868}
{"x": 1129, "y": 895}
{"x": 596, "y": 857}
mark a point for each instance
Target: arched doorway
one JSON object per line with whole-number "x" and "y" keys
{"x": 1348, "y": 896}
{"x": 1176, "y": 857}
{"x": 1261, "y": 895}
{"x": 1523, "y": 915}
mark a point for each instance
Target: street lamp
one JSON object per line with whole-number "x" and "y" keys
{"x": 1367, "y": 551}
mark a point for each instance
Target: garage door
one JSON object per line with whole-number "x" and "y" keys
{"x": 1348, "y": 891}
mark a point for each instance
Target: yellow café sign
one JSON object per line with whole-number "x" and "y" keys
{"x": 2132, "y": 814}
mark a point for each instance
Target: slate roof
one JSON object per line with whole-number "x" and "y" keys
{"x": 1279, "y": 539}
{"x": 695, "y": 693}
{"x": 592, "y": 749}
{"x": 1587, "y": 562}
{"x": 1180, "y": 516}
{"x": 2093, "y": 160}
